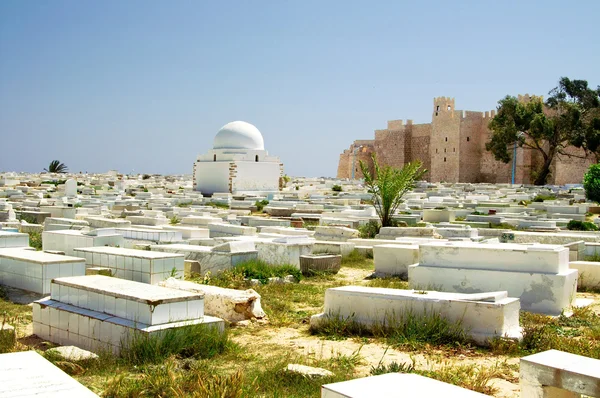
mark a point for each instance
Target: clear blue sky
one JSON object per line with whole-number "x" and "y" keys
{"x": 145, "y": 85}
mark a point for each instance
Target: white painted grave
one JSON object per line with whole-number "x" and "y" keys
{"x": 537, "y": 274}
{"x": 483, "y": 316}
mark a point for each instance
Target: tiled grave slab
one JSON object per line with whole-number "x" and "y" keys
{"x": 33, "y": 270}
{"x": 136, "y": 265}
{"x": 134, "y": 301}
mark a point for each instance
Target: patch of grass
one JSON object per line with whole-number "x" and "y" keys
{"x": 502, "y": 225}
{"x": 310, "y": 225}
{"x": 593, "y": 257}
{"x": 542, "y": 197}
{"x": 219, "y": 205}
{"x": 388, "y": 283}
{"x": 35, "y": 240}
{"x": 578, "y": 334}
{"x": 575, "y": 225}
{"x": 472, "y": 377}
{"x": 405, "y": 330}
{"x": 184, "y": 204}
{"x": 239, "y": 276}
{"x": 258, "y": 269}
{"x": 357, "y": 260}
{"x": 174, "y": 220}
{"x": 195, "y": 341}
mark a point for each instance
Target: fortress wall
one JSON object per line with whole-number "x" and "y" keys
{"x": 469, "y": 147}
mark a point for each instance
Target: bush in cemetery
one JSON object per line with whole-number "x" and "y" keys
{"x": 336, "y": 188}
{"x": 369, "y": 230}
{"x": 260, "y": 204}
{"x": 575, "y": 225}
{"x": 388, "y": 185}
{"x": 591, "y": 183}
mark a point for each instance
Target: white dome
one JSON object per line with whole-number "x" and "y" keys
{"x": 239, "y": 135}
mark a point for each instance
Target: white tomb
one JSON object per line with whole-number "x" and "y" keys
{"x": 538, "y": 275}
{"x": 99, "y": 312}
{"x": 28, "y": 374}
{"x": 33, "y": 270}
{"x": 134, "y": 265}
{"x": 483, "y": 316}
{"x": 238, "y": 163}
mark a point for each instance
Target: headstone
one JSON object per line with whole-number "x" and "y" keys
{"x": 71, "y": 188}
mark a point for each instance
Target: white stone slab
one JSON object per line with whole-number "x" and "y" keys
{"x": 28, "y": 374}
{"x": 482, "y": 316}
{"x": 550, "y": 259}
{"x": 552, "y": 373}
{"x": 395, "y": 385}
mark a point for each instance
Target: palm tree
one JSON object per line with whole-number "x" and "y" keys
{"x": 388, "y": 185}
{"x": 56, "y": 167}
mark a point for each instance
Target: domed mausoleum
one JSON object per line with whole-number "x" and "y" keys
{"x": 238, "y": 163}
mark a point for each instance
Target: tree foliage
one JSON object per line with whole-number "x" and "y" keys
{"x": 570, "y": 116}
{"x": 388, "y": 185}
{"x": 591, "y": 183}
{"x": 56, "y": 167}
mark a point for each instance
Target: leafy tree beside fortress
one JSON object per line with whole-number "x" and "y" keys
{"x": 570, "y": 116}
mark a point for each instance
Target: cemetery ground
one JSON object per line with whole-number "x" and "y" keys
{"x": 248, "y": 360}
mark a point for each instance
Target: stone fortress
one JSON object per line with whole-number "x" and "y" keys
{"x": 452, "y": 149}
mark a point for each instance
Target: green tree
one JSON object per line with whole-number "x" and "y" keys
{"x": 388, "y": 185}
{"x": 580, "y": 106}
{"x": 567, "y": 118}
{"x": 591, "y": 183}
{"x": 56, "y": 167}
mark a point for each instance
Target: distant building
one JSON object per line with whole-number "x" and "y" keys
{"x": 238, "y": 163}
{"x": 452, "y": 148}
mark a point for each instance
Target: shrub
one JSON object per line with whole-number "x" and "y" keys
{"x": 575, "y": 225}
{"x": 260, "y": 204}
{"x": 591, "y": 183}
{"x": 146, "y": 176}
{"x": 369, "y": 230}
{"x": 174, "y": 220}
{"x": 336, "y": 188}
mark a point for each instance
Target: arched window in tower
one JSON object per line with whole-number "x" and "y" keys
{"x": 256, "y": 158}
